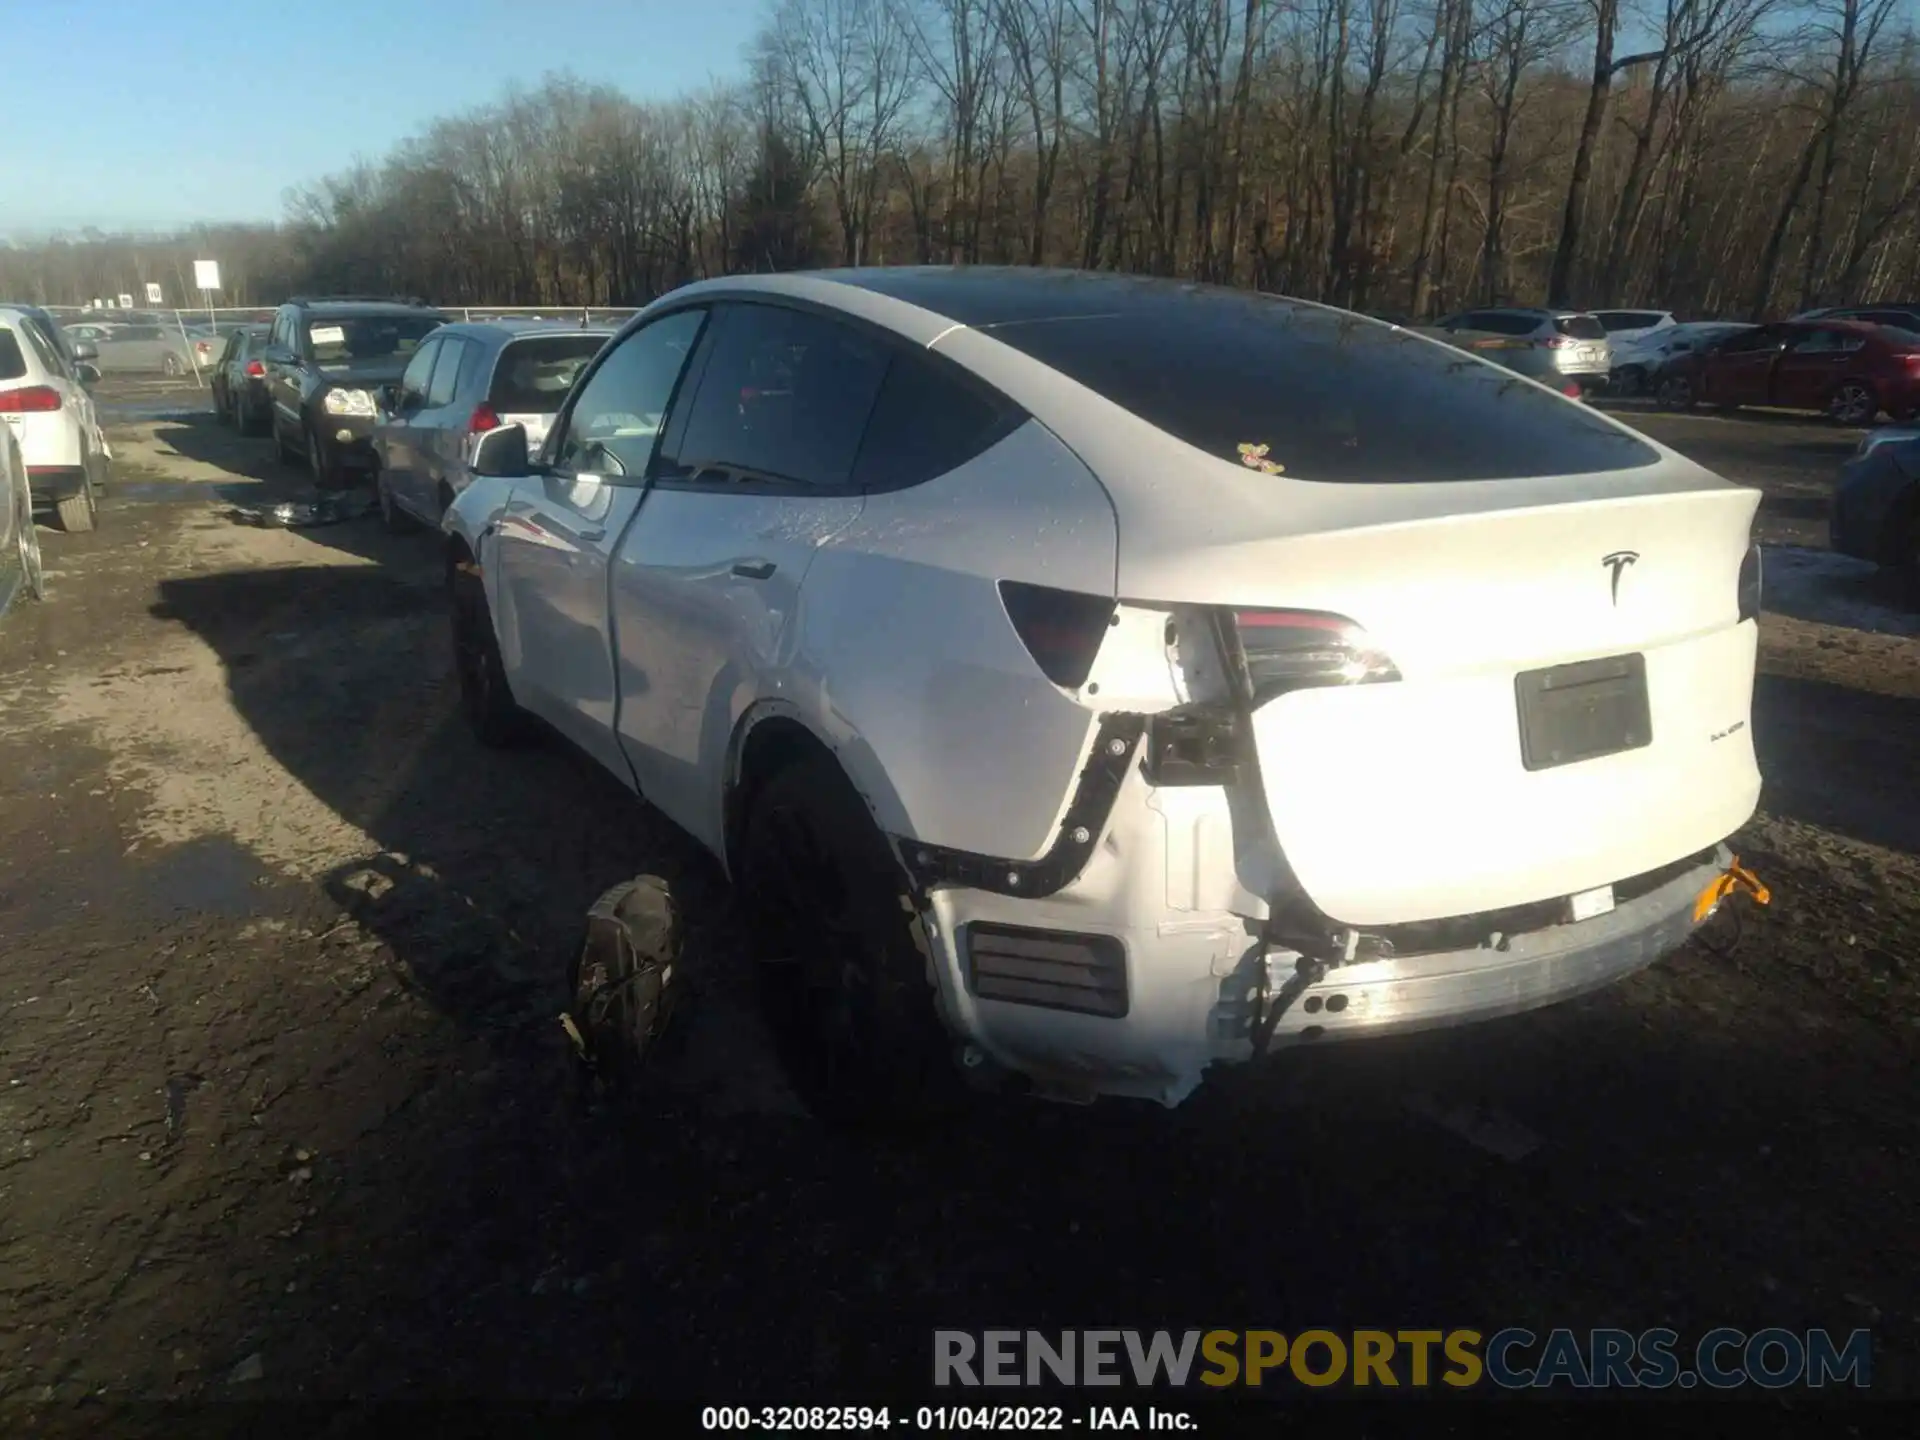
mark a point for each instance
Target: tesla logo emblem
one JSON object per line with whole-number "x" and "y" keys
{"x": 1617, "y": 562}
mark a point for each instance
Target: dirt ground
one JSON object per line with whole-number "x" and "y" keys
{"x": 285, "y": 1109}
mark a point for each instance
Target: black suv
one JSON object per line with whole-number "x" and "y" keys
{"x": 326, "y": 360}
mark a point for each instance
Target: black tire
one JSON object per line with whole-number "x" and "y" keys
{"x": 1853, "y": 403}
{"x": 222, "y": 411}
{"x": 485, "y": 696}
{"x": 847, "y": 965}
{"x": 327, "y": 474}
{"x": 171, "y": 367}
{"x": 77, "y": 513}
{"x": 1675, "y": 392}
{"x": 288, "y": 455}
{"x": 1631, "y": 380}
{"x": 392, "y": 517}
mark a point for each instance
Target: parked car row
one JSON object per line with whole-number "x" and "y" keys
{"x": 1850, "y": 370}
{"x": 392, "y": 392}
{"x": 1567, "y": 349}
{"x": 1037, "y": 650}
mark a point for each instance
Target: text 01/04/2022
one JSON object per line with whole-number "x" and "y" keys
{"x": 940, "y": 1419}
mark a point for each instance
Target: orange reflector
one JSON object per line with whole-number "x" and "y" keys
{"x": 1738, "y": 878}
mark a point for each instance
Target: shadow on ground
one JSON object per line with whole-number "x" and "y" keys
{"x": 1839, "y": 758}
{"x": 1699, "y": 1153}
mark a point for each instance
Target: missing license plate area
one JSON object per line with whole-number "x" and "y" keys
{"x": 1582, "y": 711}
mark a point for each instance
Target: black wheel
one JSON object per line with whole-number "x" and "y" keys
{"x": 847, "y": 963}
{"x": 1675, "y": 393}
{"x": 222, "y": 411}
{"x": 78, "y": 513}
{"x": 1853, "y": 403}
{"x": 1630, "y": 380}
{"x": 484, "y": 694}
{"x": 171, "y": 367}
{"x": 326, "y": 472}
{"x": 288, "y": 455}
{"x": 396, "y": 520}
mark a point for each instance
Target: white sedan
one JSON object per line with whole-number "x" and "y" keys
{"x": 1094, "y": 679}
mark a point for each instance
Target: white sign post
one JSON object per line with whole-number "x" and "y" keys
{"x": 206, "y": 279}
{"x": 154, "y": 297}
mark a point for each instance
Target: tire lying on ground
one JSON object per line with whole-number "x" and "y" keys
{"x": 624, "y": 981}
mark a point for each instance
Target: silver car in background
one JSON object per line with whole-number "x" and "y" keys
{"x": 465, "y": 380}
{"x": 140, "y": 348}
{"x": 1566, "y": 349}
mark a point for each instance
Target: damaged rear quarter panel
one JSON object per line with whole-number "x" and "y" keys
{"x": 940, "y": 715}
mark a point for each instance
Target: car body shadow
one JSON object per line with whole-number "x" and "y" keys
{"x": 474, "y": 1227}
{"x": 1836, "y": 757}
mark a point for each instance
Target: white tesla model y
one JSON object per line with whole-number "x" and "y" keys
{"x": 1094, "y": 679}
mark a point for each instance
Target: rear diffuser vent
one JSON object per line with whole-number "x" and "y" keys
{"x": 1048, "y": 968}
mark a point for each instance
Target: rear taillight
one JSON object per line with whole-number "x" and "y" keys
{"x": 1272, "y": 652}
{"x": 482, "y": 420}
{"x": 1282, "y": 650}
{"x": 256, "y": 369}
{"x": 29, "y": 400}
{"x": 1062, "y": 629}
{"x": 1750, "y": 584}
{"x": 1911, "y": 360}
{"x": 1555, "y": 342}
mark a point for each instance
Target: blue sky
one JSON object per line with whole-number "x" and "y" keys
{"x": 157, "y": 113}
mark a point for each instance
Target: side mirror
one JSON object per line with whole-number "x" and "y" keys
{"x": 501, "y": 453}
{"x": 277, "y": 355}
{"x": 84, "y": 349}
{"x": 86, "y": 374}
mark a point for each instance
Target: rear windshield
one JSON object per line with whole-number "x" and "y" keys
{"x": 13, "y": 365}
{"x": 533, "y": 376}
{"x": 1331, "y": 396}
{"x": 367, "y": 339}
{"x": 1895, "y": 335}
{"x": 1581, "y": 327}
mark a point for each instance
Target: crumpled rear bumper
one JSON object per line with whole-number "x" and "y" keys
{"x": 1196, "y": 977}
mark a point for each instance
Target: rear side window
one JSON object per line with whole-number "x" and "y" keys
{"x": 925, "y": 423}
{"x": 1581, "y": 327}
{"x": 1752, "y": 341}
{"x": 785, "y": 394}
{"x": 446, "y": 370}
{"x": 1506, "y": 322}
{"x": 533, "y": 376}
{"x": 45, "y": 352}
{"x": 13, "y": 364}
{"x": 1332, "y": 396}
{"x": 1903, "y": 338}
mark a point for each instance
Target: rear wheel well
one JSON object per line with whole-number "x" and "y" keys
{"x": 773, "y": 745}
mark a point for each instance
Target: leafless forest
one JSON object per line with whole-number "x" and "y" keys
{"x": 1720, "y": 157}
